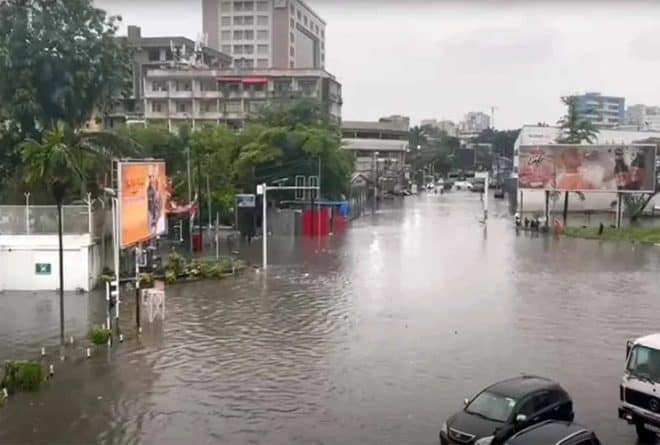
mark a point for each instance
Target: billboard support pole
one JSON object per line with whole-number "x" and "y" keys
{"x": 115, "y": 223}
{"x": 619, "y": 209}
{"x": 565, "y": 208}
{"x": 547, "y": 207}
{"x": 520, "y": 204}
{"x": 137, "y": 288}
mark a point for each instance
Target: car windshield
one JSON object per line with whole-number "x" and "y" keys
{"x": 492, "y": 406}
{"x": 645, "y": 363}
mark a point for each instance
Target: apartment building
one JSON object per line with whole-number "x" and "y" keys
{"x": 203, "y": 96}
{"x": 285, "y": 34}
{"x": 643, "y": 117}
{"x": 602, "y": 111}
{"x": 155, "y": 53}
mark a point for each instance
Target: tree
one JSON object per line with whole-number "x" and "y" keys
{"x": 59, "y": 62}
{"x": 575, "y": 128}
{"x": 56, "y": 161}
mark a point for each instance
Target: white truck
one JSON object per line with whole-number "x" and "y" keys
{"x": 640, "y": 387}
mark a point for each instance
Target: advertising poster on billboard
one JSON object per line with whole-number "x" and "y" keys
{"x": 143, "y": 199}
{"x": 587, "y": 168}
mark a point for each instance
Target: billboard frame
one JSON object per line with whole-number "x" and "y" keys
{"x": 120, "y": 208}
{"x": 586, "y": 146}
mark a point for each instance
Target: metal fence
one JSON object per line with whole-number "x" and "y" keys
{"x": 42, "y": 220}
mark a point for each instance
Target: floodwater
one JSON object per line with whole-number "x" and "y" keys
{"x": 374, "y": 336}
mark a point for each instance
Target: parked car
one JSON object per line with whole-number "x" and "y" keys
{"x": 505, "y": 408}
{"x": 552, "y": 432}
{"x": 462, "y": 185}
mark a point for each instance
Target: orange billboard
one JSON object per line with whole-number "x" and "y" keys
{"x": 142, "y": 201}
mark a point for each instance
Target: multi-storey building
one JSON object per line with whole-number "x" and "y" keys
{"x": 154, "y": 53}
{"x": 266, "y": 33}
{"x": 602, "y": 111}
{"x": 203, "y": 96}
{"x": 642, "y": 117}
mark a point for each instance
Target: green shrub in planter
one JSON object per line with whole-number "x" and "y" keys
{"x": 100, "y": 335}
{"x": 170, "y": 277}
{"x": 21, "y": 376}
{"x": 176, "y": 263}
{"x": 226, "y": 266}
{"x": 240, "y": 265}
{"x": 146, "y": 280}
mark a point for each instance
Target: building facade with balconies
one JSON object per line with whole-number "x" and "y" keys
{"x": 195, "y": 97}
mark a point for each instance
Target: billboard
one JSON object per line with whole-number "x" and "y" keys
{"x": 142, "y": 201}
{"x": 594, "y": 168}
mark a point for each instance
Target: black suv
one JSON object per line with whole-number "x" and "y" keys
{"x": 505, "y": 408}
{"x": 554, "y": 433}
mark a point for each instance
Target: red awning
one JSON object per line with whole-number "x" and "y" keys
{"x": 254, "y": 80}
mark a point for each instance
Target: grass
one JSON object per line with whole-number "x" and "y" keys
{"x": 643, "y": 235}
{"x": 21, "y": 376}
{"x": 100, "y": 335}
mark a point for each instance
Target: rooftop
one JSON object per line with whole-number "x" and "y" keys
{"x": 520, "y": 386}
{"x": 373, "y": 126}
{"x": 388, "y": 145}
{"x": 238, "y": 73}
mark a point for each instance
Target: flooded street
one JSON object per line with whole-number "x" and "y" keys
{"x": 374, "y": 336}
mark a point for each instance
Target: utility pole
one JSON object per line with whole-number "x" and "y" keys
{"x": 492, "y": 116}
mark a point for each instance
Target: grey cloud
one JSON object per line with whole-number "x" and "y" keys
{"x": 645, "y": 46}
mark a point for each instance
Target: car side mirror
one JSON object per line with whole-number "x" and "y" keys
{"x": 521, "y": 418}
{"x": 465, "y": 402}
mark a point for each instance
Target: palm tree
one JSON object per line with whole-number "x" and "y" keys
{"x": 56, "y": 161}
{"x": 575, "y": 128}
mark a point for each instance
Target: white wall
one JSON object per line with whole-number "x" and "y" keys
{"x": 19, "y": 255}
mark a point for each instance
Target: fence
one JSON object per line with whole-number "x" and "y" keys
{"x": 42, "y": 220}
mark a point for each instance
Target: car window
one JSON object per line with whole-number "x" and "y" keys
{"x": 535, "y": 403}
{"x": 527, "y": 408}
{"x": 556, "y": 396}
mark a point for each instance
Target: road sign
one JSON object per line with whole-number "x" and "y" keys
{"x": 42, "y": 269}
{"x": 247, "y": 200}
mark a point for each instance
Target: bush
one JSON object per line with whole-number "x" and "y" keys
{"x": 100, "y": 335}
{"x": 176, "y": 263}
{"x": 170, "y": 277}
{"x": 146, "y": 280}
{"x": 21, "y": 376}
{"x": 240, "y": 265}
{"x": 226, "y": 266}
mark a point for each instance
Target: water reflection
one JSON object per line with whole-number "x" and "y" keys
{"x": 373, "y": 336}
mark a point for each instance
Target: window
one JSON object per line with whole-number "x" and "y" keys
{"x": 258, "y": 87}
{"x": 323, "y": 33}
{"x": 293, "y": 9}
{"x": 291, "y": 64}
{"x": 248, "y": 49}
{"x": 225, "y": 35}
{"x": 238, "y": 49}
{"x": 238, "y": 35}
{"x": 262, "y": 35}
{"x": 293, "y": 23}
{"x": 157, "y": 107}
{"x": 248, "y": 20}
{"x": 262, "y": 6}
{"x": 209, "y": 107}
{"x": 645, "y": 362}
{"x": 262, "y": 49}
{"x": 262, "y": 20}
{"x": 183, "y": 85}
{"x": 225, "y": 21}
{"x": 292, "y": 52}
{"x": 226, "y": 6}
{"x": 238, "y": 6}
{"x": 248, "y": 35}
{"x": 535, "y": 404}
{"x": 226, "y": 49}
{"x": 299, "y": 14}
{"x": 154, "y": 54}
{"x": 316, "y": 28}
{"x": 208, "y": 85}
{"x": 262, "y": 63}
{"x": 491, "y": 405}
{"x": 234, "y": 106}
{"x": 238, "y": 20}
{"x": 158, "y": 85}
{"x": 305, "y": 20}
{"x": 248, "y": 6}
{"x": 293, "y": 37}
{"x": 181, "y": 108}
{"x": 283, "y": 85}
{"x": 248, "y": 63}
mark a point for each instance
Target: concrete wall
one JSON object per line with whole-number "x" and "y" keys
{"x": 19, "y": 255}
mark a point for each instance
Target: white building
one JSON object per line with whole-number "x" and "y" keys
{"x": 642, "y": 117}
{"x": 475, "y": 122}
{"x": 534, "y": 200}
{"x": 266, "y": 33}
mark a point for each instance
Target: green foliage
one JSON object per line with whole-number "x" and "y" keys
{"x": 100, "y": 335}
{"x": 501, "y": 140}
{"x": 437, "y": 149}
{"x": 176, "y": 264}
{"x": 575, "y": 129}
{"x": 636, "y": 203}
{"x": 21, "y": 376}
{"x": 59, "y": 61}
{"x": 644, "y": 235}
{"x": 170, "y": 277}
{"x": 146, "y": 280}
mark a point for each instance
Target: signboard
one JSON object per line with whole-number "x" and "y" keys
{"x": 588, "y": 168}
{"x": 42, "y": 269}
{"x": 246, "y": 201}
{"x": 142, "y": 201}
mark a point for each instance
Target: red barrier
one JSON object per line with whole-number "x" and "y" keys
{"x": 316, "y": 222}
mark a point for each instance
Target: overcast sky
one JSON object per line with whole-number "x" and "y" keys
{"x": 439, "y": 59}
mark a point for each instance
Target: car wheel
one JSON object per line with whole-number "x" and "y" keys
{"x": 644, "y": 434}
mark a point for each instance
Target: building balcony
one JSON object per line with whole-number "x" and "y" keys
{"x": 156, "y": 115}
{"x": 181, "y": 94}
{"x": 156, "y": 94}
{"x": 211, "y": 115}
{"x": 208, "y": 94}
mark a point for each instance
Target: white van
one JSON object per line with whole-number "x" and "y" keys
{"x": 640, "y": 387}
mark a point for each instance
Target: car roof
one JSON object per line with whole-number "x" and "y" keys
{"x": 518, "y": 387}
{"x": 548, "y": 432}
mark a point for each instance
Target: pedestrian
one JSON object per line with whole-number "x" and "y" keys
{"x": 526, "y": 222}
{"x": 601, "y": 228}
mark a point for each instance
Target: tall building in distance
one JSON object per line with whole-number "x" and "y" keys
{"x": 602, "y": 111}
{"x": 282, "y": 34}
{"x": 643, "y": 117}
{"x": 475, "y": 122}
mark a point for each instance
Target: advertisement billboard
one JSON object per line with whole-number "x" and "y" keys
{"x": 588, "y": 168}
{"x": 142, "y": 201}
